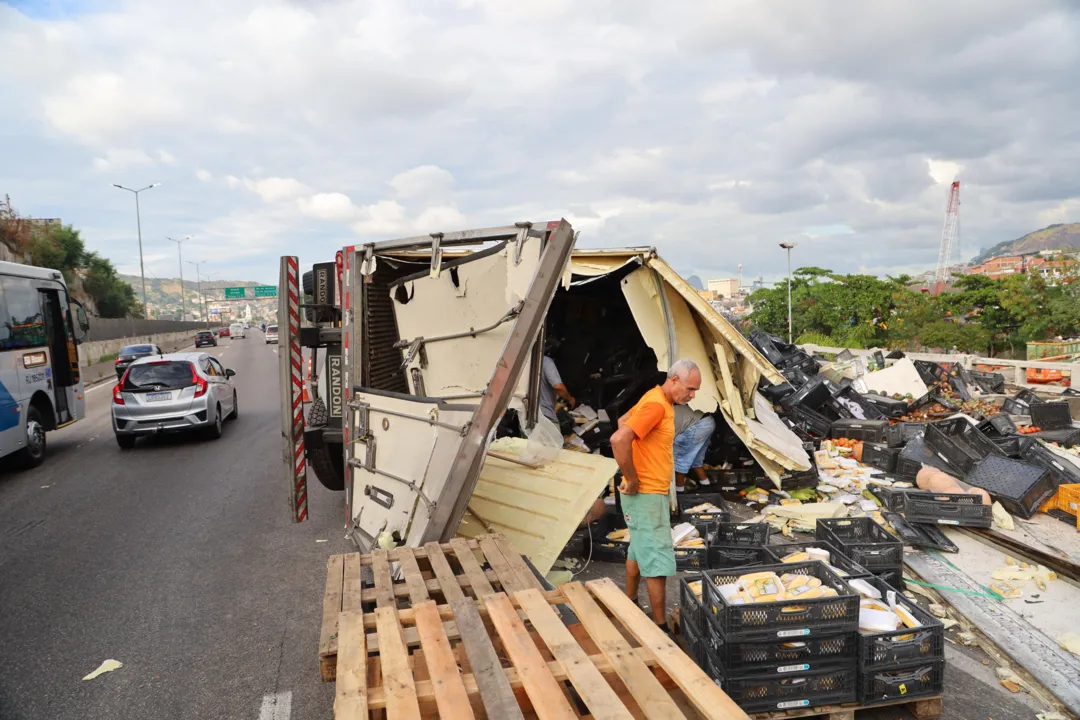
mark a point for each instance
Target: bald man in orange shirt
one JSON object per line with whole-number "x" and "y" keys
{"x": 643, "y": 448}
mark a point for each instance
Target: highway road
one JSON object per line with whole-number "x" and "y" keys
{"x": 177, "y": 559}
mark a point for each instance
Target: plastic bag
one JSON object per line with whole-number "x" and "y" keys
{"x": 543, "y": 442}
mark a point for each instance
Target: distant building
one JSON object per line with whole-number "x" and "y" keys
{"x": 707, "y": 294}
{"x": 725, "y": 287}
{"x": 1005, "y": 265}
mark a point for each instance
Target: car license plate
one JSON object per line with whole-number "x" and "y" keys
{"x": 158, "y": 397}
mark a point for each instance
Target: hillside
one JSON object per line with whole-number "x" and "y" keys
{"x": 1051, "y": 237}
{"x": 163, "y": 295}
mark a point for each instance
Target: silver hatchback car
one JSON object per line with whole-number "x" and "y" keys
{"x": 174, "y": 392}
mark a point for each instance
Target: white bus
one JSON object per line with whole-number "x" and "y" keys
{"x": 41, "y": 387}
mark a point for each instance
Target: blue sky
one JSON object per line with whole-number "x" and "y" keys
{"x": 712, "y": 131}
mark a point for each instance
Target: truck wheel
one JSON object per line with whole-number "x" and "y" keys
{"x": 34, "y": 453}
{"x": 327, "y": 461}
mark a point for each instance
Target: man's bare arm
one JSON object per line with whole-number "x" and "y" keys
{"x": 622, "y": 446}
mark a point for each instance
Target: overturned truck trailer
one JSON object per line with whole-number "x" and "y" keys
{"x": 441, "y": 334}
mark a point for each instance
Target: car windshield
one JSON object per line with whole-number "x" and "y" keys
{"x": 271, "y": 328}
{"x": 205, "y": 333}
{"x": 166, "y": 375}
{"x": 137, "y": 350}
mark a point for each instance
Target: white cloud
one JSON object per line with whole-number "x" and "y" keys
{"x": 328, "y": 206}
{"x": 709, "y": 130}
{"x": 422, "y": 181}
{"x": 943, "y": 171}
{"x": 120, "y": 159}
{"x": 275, "y": 189}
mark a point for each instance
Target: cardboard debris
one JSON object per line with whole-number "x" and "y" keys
{"x": 1002, "y": 519}
{"x": 1009, "y": 680}
{"x": 107, "y": 666}
{"x": 1071, "y": 642}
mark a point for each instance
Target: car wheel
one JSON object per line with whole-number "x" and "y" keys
{"x": 126, "y": 442}
{"x": 214, "y": 431}
{"x": 34, "y": 453}
{"x": 235, "y": 407}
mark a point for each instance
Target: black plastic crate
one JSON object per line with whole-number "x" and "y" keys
{"x": 812, "y": 423}
{"x": 722, "y": 557}
{"x": 1021, "y": 402}
{"x": 1009, "y": 445}
{"x": 691, "y": 610}
{"x": 902, "y": 433}
{"x": 764, "y": 343}
{"x": 1069, "y": 437}
{"x": 862, "y": 540}
{"x": 1000, "y": 425}
{"x": 736, "y": 533}
{"x": 988, "y": 382}
{"x": 947, "y": 509}
{"x": 865, "y": 430}
{"x": 892, "y": 499}
{"x": 810, "y": 396}
{"x": 1062, "y": 472}
{"x": 776, "y": 393}
{"x": 693, "y": 639}
{"x": 781, "y": 657}
{"x": 880, "y": 456}
{"x": 734, "y": 479}
{"x": 930, "y": 372}
{"x": 689, "y": 500}
{"x": 893, "y": 577}
{"x": 696, "y": 558}
{"x": 960, "y": 445}
{"x": 758, "y": 693}
{"x": 922, "y": 535}
{"x": 1051, "y": 415}
{"x": 845, "y": 567}
{"x": 906, "y": 683}
{"x": 905, "y": 645}
{"x": 889, "y": 407}
{"x": 785, "y": 619}
{"x": 1020, "y": 487}
{"x": 608, "y": 550}
{"x": 914, "y": 455}
{"x": 866, "y": 409}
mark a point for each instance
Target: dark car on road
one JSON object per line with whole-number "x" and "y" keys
{"x": 130, "y": 354}
{"x": 204, "y": 338}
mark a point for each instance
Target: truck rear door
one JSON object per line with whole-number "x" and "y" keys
{"x": 468, "y": 325}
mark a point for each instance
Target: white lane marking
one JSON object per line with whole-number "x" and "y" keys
{"x": 276, "y": 706}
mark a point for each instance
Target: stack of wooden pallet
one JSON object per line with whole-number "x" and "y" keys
{"x": 470, "y": 632}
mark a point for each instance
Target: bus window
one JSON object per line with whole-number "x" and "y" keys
{"x": 5, "y": 324}
{"x": 23, "y": 317}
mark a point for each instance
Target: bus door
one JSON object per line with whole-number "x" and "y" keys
{"x": 62, "y": 377}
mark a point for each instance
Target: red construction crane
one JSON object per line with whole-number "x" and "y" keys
{"x": 948, "y": 240}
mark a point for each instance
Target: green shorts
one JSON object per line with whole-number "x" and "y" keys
{"x": 648, "y": 517}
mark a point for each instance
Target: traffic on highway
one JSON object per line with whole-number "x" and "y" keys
{"x": 173, "y": 558}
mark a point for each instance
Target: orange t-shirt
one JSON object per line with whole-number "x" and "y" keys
{"x": 653, "y": 421}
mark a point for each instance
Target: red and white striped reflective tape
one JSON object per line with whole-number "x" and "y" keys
{"x": 296, "y": 392}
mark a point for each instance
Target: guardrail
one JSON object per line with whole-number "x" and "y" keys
{"x": 1018, "y": 372}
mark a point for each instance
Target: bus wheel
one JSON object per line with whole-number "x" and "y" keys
{"x": 34, "y": 453}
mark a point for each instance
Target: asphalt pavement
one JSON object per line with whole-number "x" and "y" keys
{"x": 177, "y": 558}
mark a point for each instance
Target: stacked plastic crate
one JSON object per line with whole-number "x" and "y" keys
{"x": 866, "y": 543}
{"x": 783, "y": 654}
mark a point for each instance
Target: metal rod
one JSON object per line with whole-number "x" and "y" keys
{"x": 353, "y": 462}
{"x": 456, "y": 428}
{"x": 471, "y": 332}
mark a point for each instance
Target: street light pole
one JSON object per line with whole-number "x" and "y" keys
{"x": 202, "y": 300}
{"x": 138, "y": 223}
{"x": 788, "y": 247}
{"x": 180, "y": 257}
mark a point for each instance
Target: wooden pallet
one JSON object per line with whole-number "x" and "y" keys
{"x": 921, "y": 709}
{"x": 466, "y": 568}
{"x": 482, "y": 653}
